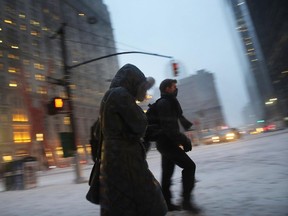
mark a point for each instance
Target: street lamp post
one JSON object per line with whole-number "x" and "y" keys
{"x": 67, "y": 87}
{"x": 66, "y": 83}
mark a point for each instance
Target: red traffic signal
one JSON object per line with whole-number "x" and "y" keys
{"x": 175, "y": 68}
{"x": 55, "y": 106}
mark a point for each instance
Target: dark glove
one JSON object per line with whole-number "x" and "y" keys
{"x": 186, "y": 143}
{"x": 187, "y": 146}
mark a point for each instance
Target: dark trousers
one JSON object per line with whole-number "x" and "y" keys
{"x": 171, "y": 156}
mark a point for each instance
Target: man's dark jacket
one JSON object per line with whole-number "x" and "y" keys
{"x": 170, "y": 114}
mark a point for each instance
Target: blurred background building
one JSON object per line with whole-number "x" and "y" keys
{"x": 263, "y": 28}
{"x": 31, "y": 54}
{"x": 200, "y": 102}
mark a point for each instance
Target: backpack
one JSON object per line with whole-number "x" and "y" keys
{"x": 153, "y": 128}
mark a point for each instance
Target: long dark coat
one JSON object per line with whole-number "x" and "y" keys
{"x": 128, "y": 188}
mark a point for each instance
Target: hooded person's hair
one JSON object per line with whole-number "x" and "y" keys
{"x": 132, "y": 78}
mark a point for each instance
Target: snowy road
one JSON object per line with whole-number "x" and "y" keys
{"x": 247, "y": 177}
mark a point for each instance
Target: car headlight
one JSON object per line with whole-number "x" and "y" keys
{"x": 230, "y": 136}
{"x": 215, "y": 139}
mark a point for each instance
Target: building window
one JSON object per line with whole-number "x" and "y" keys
{"x": 13, "y": 70}
{"x": 41, "y": 90}
{"x": 12, "y": 56}
{"x": 19, "y": 117}
{"x": 66, "y": 120}
{"x": 21, "y": 134}
{"x": 22, "y": 16}
{"x": 38, "y": 66}
{"x": 13, "y": 83}
{"x": 39, "y": 77}
{"x": 23, "y": 27}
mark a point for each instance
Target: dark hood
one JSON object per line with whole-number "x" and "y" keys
{"x": 129, "y": 77}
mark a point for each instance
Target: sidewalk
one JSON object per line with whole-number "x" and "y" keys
{"x": 239, "y": 178}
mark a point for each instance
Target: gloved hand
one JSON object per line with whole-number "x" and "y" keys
{"x": 186, "y": 143}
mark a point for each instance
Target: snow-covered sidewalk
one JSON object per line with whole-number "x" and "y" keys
{"x": 247, "y": 177}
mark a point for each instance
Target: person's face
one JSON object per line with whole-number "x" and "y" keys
{"x": 172, "y": 89}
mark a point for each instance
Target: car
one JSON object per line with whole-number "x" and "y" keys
{"x": 229, "y": 134}
{"x": 209, "y": 137}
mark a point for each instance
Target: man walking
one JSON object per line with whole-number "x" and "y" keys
{"x": 172, "y": 145}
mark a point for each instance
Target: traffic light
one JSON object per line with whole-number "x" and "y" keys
{"x": 175, "y": 68}
{"x": 55, "y": 106}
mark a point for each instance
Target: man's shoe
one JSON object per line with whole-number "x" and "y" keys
{"x": 172, "y": 207}
{"x": 191, "y": 207}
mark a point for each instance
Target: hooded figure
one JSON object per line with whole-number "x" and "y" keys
{"x": 128, "y": 188}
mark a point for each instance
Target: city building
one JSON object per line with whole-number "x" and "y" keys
{"x": 32, "y": 73}
{"x": 270, "y": 20}
{"x": 199, "y": 100}
{"x": 262, "y": 26}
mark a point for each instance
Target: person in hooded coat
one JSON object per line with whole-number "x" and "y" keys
{"x": 127, "y": 186}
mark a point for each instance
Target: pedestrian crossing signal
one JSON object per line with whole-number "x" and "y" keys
{"x": 58, "y": 103}
{"x": 55, "y": 106}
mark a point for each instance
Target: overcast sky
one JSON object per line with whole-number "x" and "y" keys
{"x": 194, "y": 32}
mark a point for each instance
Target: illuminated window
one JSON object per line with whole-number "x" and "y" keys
{"x": 13, "y": 83}
{"x": 39, "y": 66}
{"x": 41, "y": 90}
{"x": 80, "y": 150}
{"x": 7, "y": 158}
{"x": 40, "y": 77}
{"x": 12, "y": 70}
{"x": 22, "y": 16}
{"x": 26, "y": 62}
{"x": 19, "y": 117}
{"x": 21, "y": 134}
{"x": 59, "y": 151}
{"x": 33, "y": 22}
{"x": 8, "y": 21}
{"x": 39, "y": 137}
{"x": 66, "y": 120}
{"x": 21, "y": 153}
{"x": 35, "y": 33}
{"x": 23, "y": 27}
{"x": 12, "y": 56}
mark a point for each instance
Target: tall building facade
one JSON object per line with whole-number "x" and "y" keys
{"x": 199, "y": 100}
{"x": 270, "y": 20}
{"x": 31, "y": 60}
{"x": 263, "y": 76}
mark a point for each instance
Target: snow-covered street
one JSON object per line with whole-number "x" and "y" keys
{"x": 247, "y": 177}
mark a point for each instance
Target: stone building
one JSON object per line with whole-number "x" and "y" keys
{"x": 31, "y": 60}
